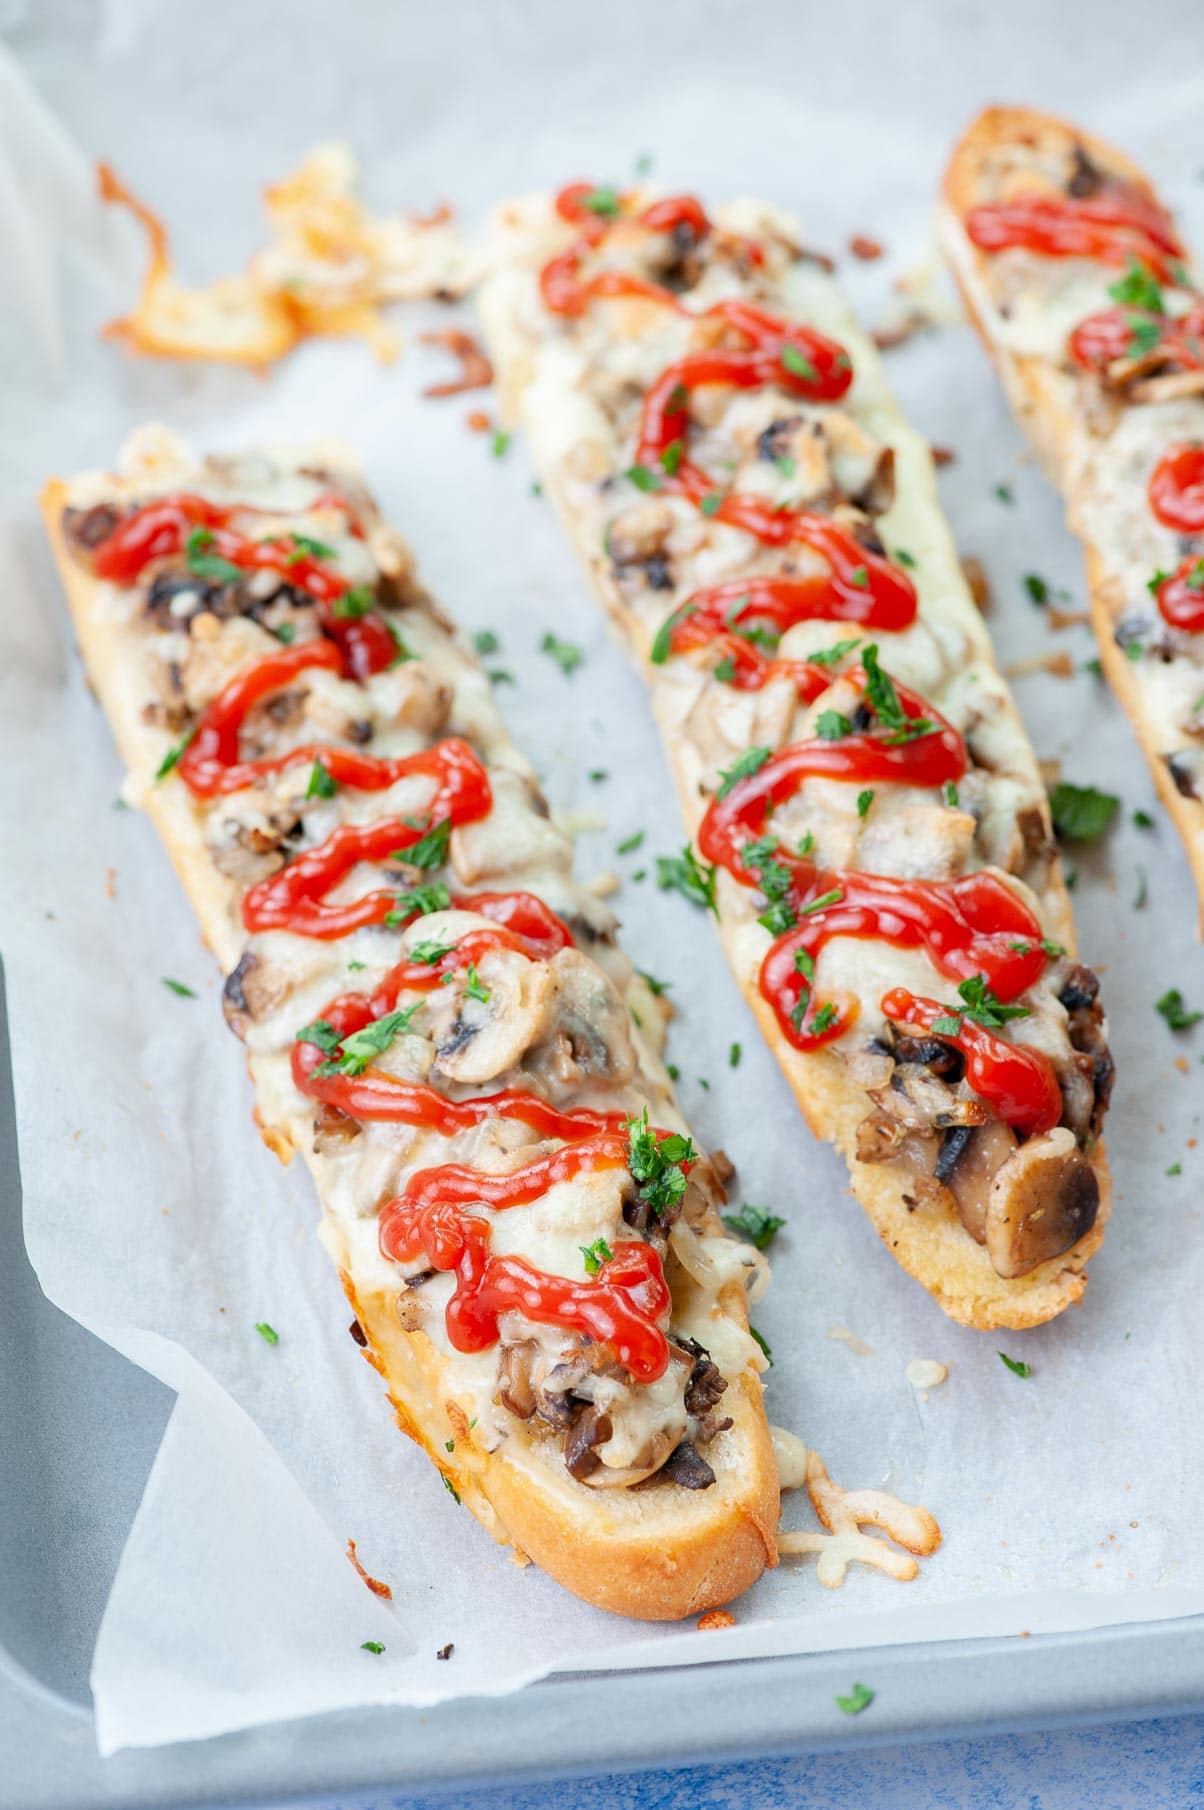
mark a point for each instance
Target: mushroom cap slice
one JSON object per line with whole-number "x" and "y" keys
{"x": 1041, "y": 1202}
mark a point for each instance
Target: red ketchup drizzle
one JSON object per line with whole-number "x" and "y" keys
{"x": 295, "y": 898}
{"x": 620, "y": 1306}
{"x": 1112, "y": 227}
{"x": 714, "y": 617}
{"x": 1020, "y": 1083}
{"x": 161, "y": 530}
{"x": 560, "y": 283}
{"x": 1177, "y": 499}
{"x": 1108, "y": 338}
{"x": 210, "y": 764}
{"x": 966, "y": 927}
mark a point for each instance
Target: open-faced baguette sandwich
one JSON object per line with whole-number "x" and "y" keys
{"x": 869, "y": 824}
{"x": 1077, "y": 282}
{"x": 436, "y": 1015}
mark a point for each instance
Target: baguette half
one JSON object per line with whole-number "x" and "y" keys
{"x": 1099, "y": 432}
{"x": 499, "y": 1421}
{"x": 576, "y": 376}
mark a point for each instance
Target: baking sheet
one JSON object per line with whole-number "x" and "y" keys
{"x": 1066, "y": 1500}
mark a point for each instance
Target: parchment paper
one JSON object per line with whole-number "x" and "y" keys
{"x": 154, "y": 1215}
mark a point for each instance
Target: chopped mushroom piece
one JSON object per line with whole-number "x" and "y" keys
{"x": 1042, "y": 1201}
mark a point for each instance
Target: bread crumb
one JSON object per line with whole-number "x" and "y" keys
{"x": 716, "y": 1618}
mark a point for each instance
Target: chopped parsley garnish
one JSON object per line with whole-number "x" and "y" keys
{"x": 352, "y": 1055}
{"x": 1137, "y": 289}
{"x": 595, "y": 1255}
{"x": 734, "y": 1055}
{"x": 429, "y": 953}
{"x": 949, "y": 793}
{"x": 673, "y": 1072}
{"x": 1142, "y": 894}
{"x": 322, "y": 783}
{"x": 654, "y": 986}
{"x": 775, "y": 881}
{"x": 1016, "y": 1365}
{"x": 824, "y": 1019}
{"x": 832, "y": 726}
{"x": 603, "y": 200}
{"x": 1036, "y": 587}
{"x": 1005, "y": 494}
{"x": 712, "y": 504}
{"x": 859, "y": 1698}
{"x": 430, "y": 850}
{"x": 209, "y": 565}
{"x": 980, "y": 1005}
{"x": 883, "y": 700}
{"x": 824, "y": 900}
{"x": 750, "y": 762}
{"x": 798, "y": 364}
{"x": 1145, "y": 336}
{"x": 1094, "y": 668}
{"x": 656, "y": 1164}
{"x": 374, "y": 1646}
{"x": 306, "y": 547}
{"x": 173, "y": 757}
{"x": 354, "y": 603}
{"x": 687, "y": 875}
{"x": 1175, "y": 1169}
{"x": 860, "y": 577}
{"x": 629, "y": 844}
{"x": 725, "y": 672}
{"x": 472, "y": 985}
{"x": 905, "y": 558}
{"x": 267, "y": 1333}
{"x": 1143, "y": 820}
{"x": 499, "y": 446}
{"x": 864, "y": 801}
{"x": 642, "y": 477}
{"x": 829, "y": 656}
{"x": 286, "y": 632}
{"x": 418, "y": 903}
{"x": 485, "y": 641}
{"x": 1052, "y": 950}
{"x": 566, "y": 655}
{"x": 450, "y": 1487}
{"x": 763, "y": 1343}
{"x": 1178, "y": 1016}
{"x": 599, "y": 773}
{"x": 178, "y": 987}
{"x": 672, "y": 456}
{"x": 786, "y": 465}
{"x": 663, "y": 644}
{"x": 755, "y": 1225}
{"x": 643, "y": 163}
{"x": 1080, "y": 813}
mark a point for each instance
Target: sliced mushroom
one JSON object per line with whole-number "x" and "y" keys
{"x": 252, "y": 989}
{"x": 971, "y": 1156}
{"x": 641, "y": 533}
{"x": 1041, "y": 1202}
{"x": 685, "y": 1467}
{"x": 591, "y": 1036}
{"x": 333, "y": 1129}
{"x": 488, "y": 1036}
{"x": 516, "y": 1390}
{"x": 591, "y": 1428}
{"x": 922, "y": 1102}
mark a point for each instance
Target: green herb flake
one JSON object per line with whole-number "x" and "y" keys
{"x": 595, "y": 1255}
{"x": 604, "y": 201}
{"x": 499, "y": 446}
{"x": 824, "y": 900}
{"x": 472, "y": 986}
{"x": 654, "y": 986}
{"x": 629, "y": 844}
{"x": 306, "y": 547}
{"x": 356, "y": 1052}
{"x": 418, "y": 903}
{"x": 286, "y": 632}
{"x": 1175, "y": 1169}
{"x": 712, "y": 504}
{"x": 322, "y": 783}
{"x": 798, "y": 364}
{"x": 1036, "y": 587}
{"x": 832, "y": 726}
{"x": 831, "y": 656}
{"x": 763, "y": 1343}
{"x": 173, "y": 757}
{"x": 1143, "y": 820}
{"x": 754, "y": 1225}
{"x": 859, "y": 1698}
{"x": 1015, "y": 1365}
{"x": 750, "y": 762}
{"x": 687, "y": 875}
{"x": 864, "y": 801}
{"x": 371, "y": 1646}
{"x": 980, "y": 1004}
{"x": 178, "y": 987}
{"x": 734, "y": 1055}
{"x": 1005, "y": 494}
{"x": 566, "y": 655}
{"x": 450, "y": 1487}
{"x": 1081, "y": 813}
{"x": 656, "y": 1164}
{"x": 642, "y": 477}
{"x": 430, "y": 850}
{"x": 485, "y": 641}
{"x": 354, "y": 604}
{"x": 905, "y": 558}
{"x": 210, "y": 565}
{"x": 1178, "y": 1016}
{"x": 267, "y": 1333}
{"x": 1138, "y": 288}
{"x": 949, "y": 794}
{"x": 598, "y": 774}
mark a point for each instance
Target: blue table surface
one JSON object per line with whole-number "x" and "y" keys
{"x": 1130, "y": 1766}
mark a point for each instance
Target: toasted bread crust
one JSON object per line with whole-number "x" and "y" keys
{"x": 657, "y": 1554}
{"x": 1053, "y": 429}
